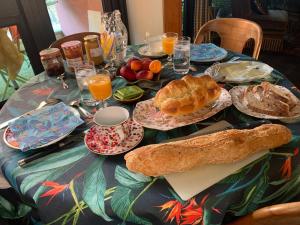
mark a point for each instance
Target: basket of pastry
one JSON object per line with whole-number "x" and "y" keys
{"x": 182, "y": 102}
{"x": 266, "y": 101}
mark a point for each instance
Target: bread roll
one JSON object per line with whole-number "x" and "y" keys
{"x": 222, "y": 147}
{"x": 188, "y": 95}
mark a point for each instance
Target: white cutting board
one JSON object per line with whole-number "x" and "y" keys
{"x": 191, "y": 183}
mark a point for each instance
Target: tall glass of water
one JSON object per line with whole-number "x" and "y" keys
{"x": 181, "y": 57}
{"x": 82, "y": 73}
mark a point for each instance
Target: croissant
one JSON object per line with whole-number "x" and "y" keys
{"x": 188, "y": 95}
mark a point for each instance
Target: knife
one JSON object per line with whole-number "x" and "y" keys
{"x": 66, "y": 143}
{"x": 219, "y": 126}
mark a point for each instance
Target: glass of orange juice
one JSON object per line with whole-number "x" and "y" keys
{"x": 100, "y": 86}
{"x": 168, "y": 42}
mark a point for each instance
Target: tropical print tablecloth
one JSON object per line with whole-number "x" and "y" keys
{"x": 76, "y": 187}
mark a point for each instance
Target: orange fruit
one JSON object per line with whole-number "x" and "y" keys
{"x": 155, "y": 66}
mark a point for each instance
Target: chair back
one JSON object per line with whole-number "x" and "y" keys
{"x": 72, "y": 37}
{"x": 234, "y": 34}
{"x": 282, "y": 214}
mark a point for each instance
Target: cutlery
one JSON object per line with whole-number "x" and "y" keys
{"x": 50, "y": 101}
{"x": 83, "y": 112}
{"x": 64, "y": 144}
{"x": 61, "y": 78}
{"x": 219, "y": 126}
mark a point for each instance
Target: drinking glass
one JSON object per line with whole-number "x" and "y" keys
{"x": 82, "y": 73}
{"x": 168, "y": 42}
{"x": 182, "y": 54}
{"x": 100, "y": 86}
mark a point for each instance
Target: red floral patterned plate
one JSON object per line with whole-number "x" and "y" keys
{"x": 146, "y": 114}
{"x": 93, "y": 141}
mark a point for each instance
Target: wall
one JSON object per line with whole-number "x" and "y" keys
{"x": 74, "y": 14}
{"x": 144, "y": 16}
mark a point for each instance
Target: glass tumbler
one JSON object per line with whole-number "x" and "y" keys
{"x": 182, "y": 55}
{"x": 82, "y": 73}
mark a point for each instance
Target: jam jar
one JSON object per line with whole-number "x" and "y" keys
{"x": 73, "y": 54}
{"x": 93, "y": 49}
{"x": 52, "y": 61}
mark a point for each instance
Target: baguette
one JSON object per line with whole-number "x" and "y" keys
{"x": 222, "y": 147}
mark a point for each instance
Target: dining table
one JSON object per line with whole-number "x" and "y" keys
{"x": 76, "y": 186}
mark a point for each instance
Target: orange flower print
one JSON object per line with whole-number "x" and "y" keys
{"x": 193, "y": 213}
{"x": 188, "y": 213}
{"x": 286, "y": 169}
{"x": 56, "y": 188}
{"x": 174, "y": 207}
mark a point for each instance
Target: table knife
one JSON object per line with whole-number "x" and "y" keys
{"x": 219, "y": 126}
{"x": 65, "y": 143}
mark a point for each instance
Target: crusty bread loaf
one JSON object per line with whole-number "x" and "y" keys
{"x": 222, "y": 147}
{"x": 269, "y": 99}
{"x": 188, "y": 95}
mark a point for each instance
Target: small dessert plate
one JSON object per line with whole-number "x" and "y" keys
{"x": 146, "y": 52}
{"x": 94, "y": 141}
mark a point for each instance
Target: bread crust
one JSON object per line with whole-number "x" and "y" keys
{"x": 218, "y": 148}
{"x": 269, "y": 99}
{"x": 188, "y": 95}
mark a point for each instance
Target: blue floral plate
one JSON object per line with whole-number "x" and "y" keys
{"x": 11, "y": 142}
{"x": 207, "y": 53}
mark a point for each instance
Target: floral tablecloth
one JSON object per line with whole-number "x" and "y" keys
{"x": 75, "y": 186}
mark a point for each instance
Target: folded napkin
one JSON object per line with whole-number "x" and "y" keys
{"x": 208, "y": 51}
{"x": 44, "y": 126}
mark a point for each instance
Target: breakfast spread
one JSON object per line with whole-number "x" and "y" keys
{"x": 218, "y": 148}
{"x": 187, "y": 95}
{"x": 269, "y": 99}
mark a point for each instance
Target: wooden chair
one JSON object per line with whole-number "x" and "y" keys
{"x": 73, "y": 37}
{"x": 234, "y": 34}
{"x": 282, "y": 214}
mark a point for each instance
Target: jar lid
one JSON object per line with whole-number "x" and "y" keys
{"x": 50, "y": 52}
{"x": 91, "y": 37}
{"x": 71, "y": 44}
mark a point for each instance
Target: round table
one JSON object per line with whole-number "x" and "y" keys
{"x": 75, "y": 186}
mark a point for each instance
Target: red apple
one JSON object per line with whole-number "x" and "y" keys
{"x": 144, "y": 75}
{"x": 146, "y": 62}
{"x": 136, "y": 65}
{"x": 127, "y": 73}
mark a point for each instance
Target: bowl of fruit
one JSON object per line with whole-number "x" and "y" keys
{"x": 137, "y": 69}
